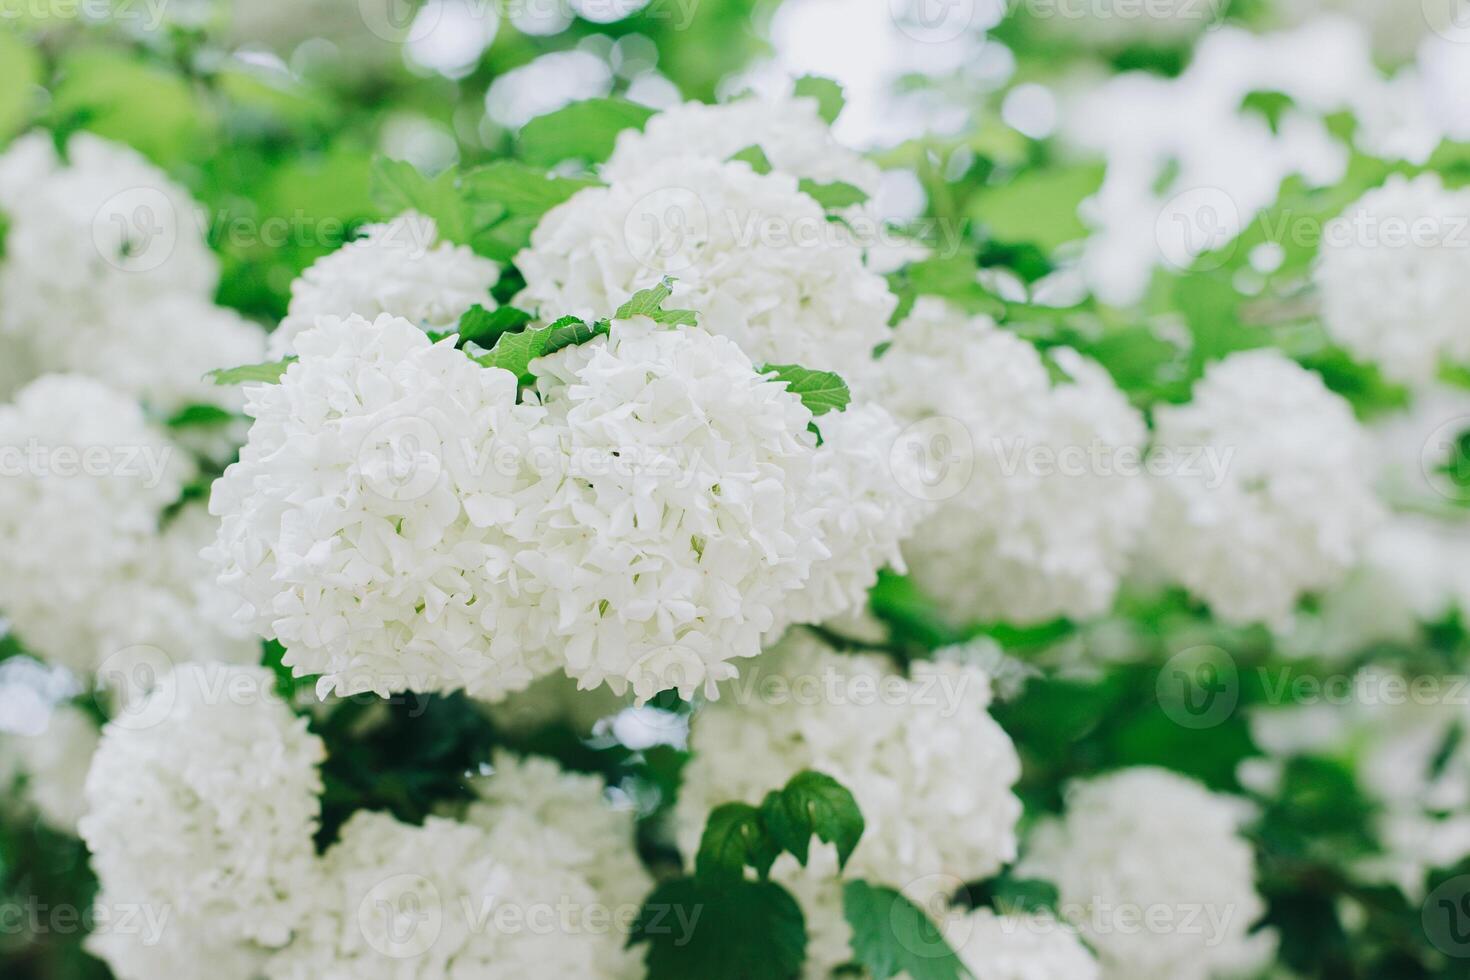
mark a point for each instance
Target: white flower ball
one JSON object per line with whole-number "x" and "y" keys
{"x": 930, "y": 769}
{"x": 203, "y": 798}
{"x": 1037, "y": 478}
{"x": 1021, "y": 947}
{"x": 1262, "y": 488}
{"x": 400, "y": 268}
{"x": 53, "y": 763}
{"x": 516, "y": 891}
{"x": 107, "y": 230}
{"x": 376, "y": 519}
{"x": 1152, "y": 845}
{"x": 867, "y": 509}
{"x": 85, "y": 481}
{"x": 680, "y": 526}
{"x": 754, "y": 257}
{"x": 1394, "y": 273}
{"x": 791, "y": 132}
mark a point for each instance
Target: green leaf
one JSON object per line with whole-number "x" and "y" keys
{"x": 1271, "y": 106}
{"x": 584, "y": 130}
{"x": 570, "y": 331}
{"x": 519, "y": 189}
{"x": 734, "y": 836}
{"x": 820, "y": 391}
{"x": 892, "y": 936}
{"x": 955, "y": 278}
{"x": 128, "y": 98}
{"x": 1017, "y": 896}
{"x": 20, "y": 74}
{"x": 397, "y": 187}
{"x": 484, "y": 327}
{"x": 199, "y": 415}
{"x": 1039, "y": 207}
{"x": 834, "y": 196}
{"x": 269, "y": 372}
{"x": 756, "y": 157}
{"x": 650, "y": 303}
{"x": 505, "y": 239}
{"x": 828, "y": 94}
{"x": 813, "y": 803}
{"x": 515, "y": 351}
{"x": 748, "y": 930}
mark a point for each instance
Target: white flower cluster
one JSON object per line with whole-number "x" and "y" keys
{"x": 399, "y": 522}
{"x": 400, "y": 268}
{"x": 1041, "y": 499}
{"x": 791, "y": 132}
{"x": 202, "y": 799}
{"x": 931, "y": 771}
{"x": 53, "y": 764}
{"x": 1287, "y": 509}
{"x": 85, "y": 486}
{"x": 539, "y": 880}
{"x": 1394, "y": 272}
{"x": 106, "y": 272}
{"x": 1020, "y": 947}
{"x": 1152, "y": 870}
{"x": 752, "y": 255}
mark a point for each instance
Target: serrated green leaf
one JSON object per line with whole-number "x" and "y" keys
{"x": 191, "y": 416}
{"x": 734, "y": 836}
{"x": 813, "y": 803}
{"x": 746, "y": 930}
{"x": 828, "y": 94}
{"x": 892, "y": 936}
{"x": 650, "y": 303}
{"x": 756, "y": 157}
{"x": 484, "y": 327}
{"x": 269, "y": 372}
{"x": 503, "y": 240}
{"x": 397, "y": 186}
{"x": 515, "y": 351}
{"x": 518, "y": 188}
{"x": 570, "y": 331}
{"x": 833, "y": 196}
{"x": 820, "y": 391}
{"x": 585, "y": 130}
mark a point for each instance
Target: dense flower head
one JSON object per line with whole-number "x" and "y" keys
{"x": 675, "y": 537}
{"x": 753, "y": 256}
{"x": 1285, "y": 511}
{"x": 375, "y": 519}
{"x": 203, "y": 798}
{"x": 1038, "y": 479}
{"x": 1020, "y": 947}
{"x": 1394, "y": 273}
{"x": 53, "y": 764}
{"x": 1153, "y": 844}
{"x": 401, "y": 268}
{"x": 791, "y": 132}
{"x": 931, "y": 770}
{"x": 541, "y": 879}
{"x": 86, "y": 481}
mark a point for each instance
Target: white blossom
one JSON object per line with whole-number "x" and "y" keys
{"x": 678, "y": 530}
{"x": 930, "y": 769}
{"x": 400, "y": 268}
{"x": 1156, "y": 846}
{"x": 1393, "y": 276}
{"x": 203, "y": 799}
{"x": 1041, "y": 500}
{"x": 755, "y": 258}
{"x": 1020, "y": 947}
{"x": 53, "y": 763}
{"x": 375, "y": 520}
{"x": 791, "y": 132}
{"x": 1285, "y": 505}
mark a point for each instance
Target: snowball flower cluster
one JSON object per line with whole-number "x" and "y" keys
{"x": 399, "y": 268}
{"x": 202, "y": 799}
{"x": 1147, "y": 845}
{"x": 756, "y": 258}
{"x": 1284, "y": 507}
{"x": 1394, "y": 273}
{"x": 791, "y": 132}
{"x": 1037, "y": 479}
{"x": 931, "y": 771}
{"x": 1020, "y": 947}
{"x": 539, "y": 880}
{"x": 374, "y": 519}
{"x": 53, "y": 763}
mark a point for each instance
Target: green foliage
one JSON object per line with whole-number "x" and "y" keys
{"x": 812, "y": 803}
{"x": 20, "y": 73}
{"x": 820, "y": 391}
{"x": 269, "y": 372}
{"x": 735, "y": 835}
{"x": 830, "y": 100}
{"x": 755, "y": 157}
{"x": 521, "y": 190}
{"x": 515, "y": 350}
{"x": 483, "y": 327}
{"x": 584, "y": 131}
{"x": 833, "y": 196}
{"x": 1039, "y": 206}
{"x": 744, "y": 930}
{"x": 199, "y": 416}
{"x": 124, "y": 97}
{"x": 398, "y": 187}
{"x": 891, "y": 936}
{"x": 650, "y": 303}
